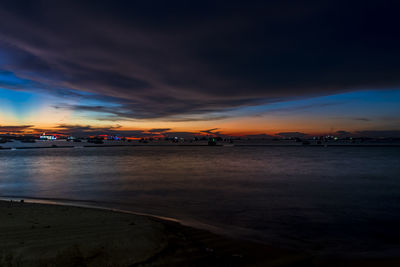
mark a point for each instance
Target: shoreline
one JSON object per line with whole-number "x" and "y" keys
{"x": 45, "y": 234}
{"x": 218, "y": 145}
{"x": 40, "y": 144}
{"x": 54, "y": 235}
{"x": 80, "y": 204}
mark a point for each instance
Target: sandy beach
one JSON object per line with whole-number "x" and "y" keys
{"x": 34, "y": 234}
{"x": 52, "y": 235}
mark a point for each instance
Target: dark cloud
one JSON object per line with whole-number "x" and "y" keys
{"x": 159, "y": 59}
{"x": 343, "y": 133}
{"x": 260, "y": 136}
{"x": 298, "y": 108}
{"x": 292, "y": 134}
{"x": 159, "y": 130}
{"x": 183, "y": 118}
{"x": 211, "y": 131}
{"x": 15, "y": 129}
{"x": 129, "y": 112}
{"x": 379, "y": 133}
{"x": 361, "y": 119}
{"x": 84, "y": 129}
{"x": 87, "y": 130}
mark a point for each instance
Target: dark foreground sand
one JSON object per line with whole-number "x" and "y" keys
{"x": 51, "y": 235}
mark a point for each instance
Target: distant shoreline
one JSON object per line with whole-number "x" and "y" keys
{"x": 54, "y": 146}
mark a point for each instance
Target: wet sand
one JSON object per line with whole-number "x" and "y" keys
{"x": 53, "y": 235}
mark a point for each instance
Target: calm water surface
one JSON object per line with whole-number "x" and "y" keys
{"x": 326, "y": 200}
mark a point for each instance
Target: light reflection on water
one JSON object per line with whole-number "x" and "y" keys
{"x": 322, "y": 199}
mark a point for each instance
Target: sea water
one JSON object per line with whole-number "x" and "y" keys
{"x": 334, "y": 200}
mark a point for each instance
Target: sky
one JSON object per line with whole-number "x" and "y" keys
{"x": 254, "y": 68}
